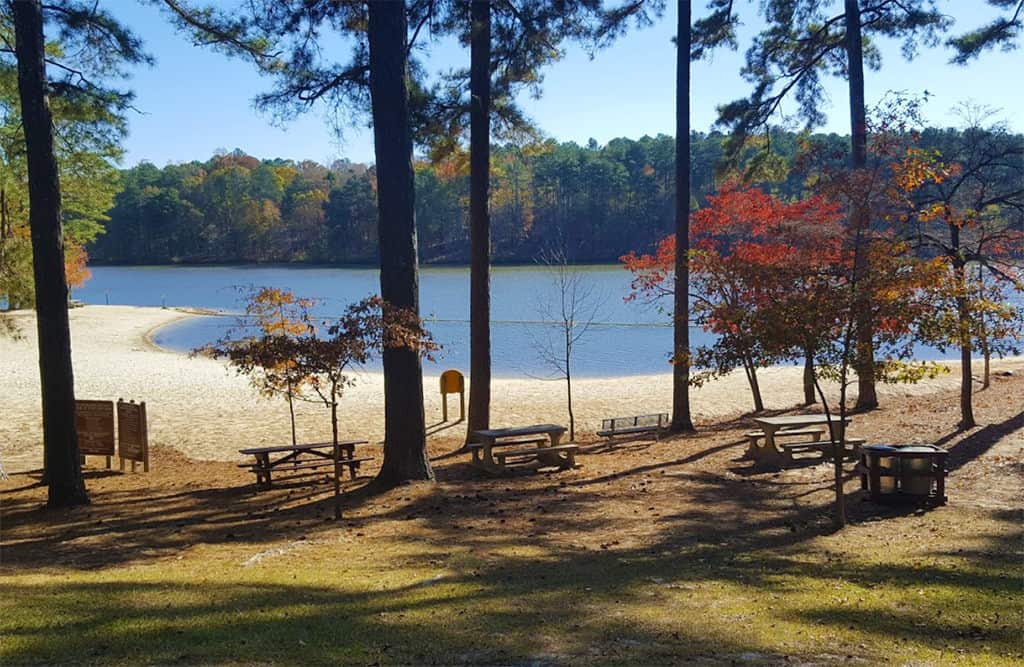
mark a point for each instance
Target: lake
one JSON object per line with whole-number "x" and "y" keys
{"x": 627, "y": 338}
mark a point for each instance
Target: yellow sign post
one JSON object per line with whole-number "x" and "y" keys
{"x": 452, "y": 382}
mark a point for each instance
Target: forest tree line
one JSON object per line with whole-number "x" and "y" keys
{"x": 594, "y": 202}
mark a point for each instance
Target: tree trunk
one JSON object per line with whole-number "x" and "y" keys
{"x": 479, "y": 220}
{"x": 60, "y": 439}
{"x": 682, "y": 421}
{"x": 986, "y": 350}
{"x": 809, "y": 398}
{"x": 291, "y": 413}
{"x": 335, "y": 451}
{"x": 986, "y": 379}
{"x": 755, "y": 387}
{"x": 867, "y": 396}
{"x": 568, "y": 384}
{"x": 963, "y": 314}
{"x": 405, "y": 442}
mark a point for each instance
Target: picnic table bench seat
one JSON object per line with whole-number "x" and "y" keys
{"x": 539, "y": 454}
{"x": 507, "y": 443}
{"x": 814, "y": 433}
{"x": 851, "y": 448}
{"x": 634, "y": 425}
{"x": 299, "y": 465}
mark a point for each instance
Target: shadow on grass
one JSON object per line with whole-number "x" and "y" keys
{"x": 509, "y": 597}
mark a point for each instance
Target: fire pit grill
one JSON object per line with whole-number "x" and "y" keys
{"x": 909, "y": 473}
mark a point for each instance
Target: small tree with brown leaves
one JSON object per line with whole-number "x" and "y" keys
{"x": 364, "y": 330}
{"x": 269, "y": 359}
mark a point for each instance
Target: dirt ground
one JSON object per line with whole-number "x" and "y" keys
{"x": 629, "y": 487}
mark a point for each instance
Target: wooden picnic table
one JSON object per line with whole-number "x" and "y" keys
{"x": 770, "y": 453}
{"x": 306, "y": 456}
{"x": 539, "y": 448}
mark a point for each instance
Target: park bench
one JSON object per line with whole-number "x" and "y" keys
{"x": 635, "y": 425}
{"x": 302, "y": 460}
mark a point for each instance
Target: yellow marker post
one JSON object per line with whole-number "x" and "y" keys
{"x": 452, "y": 382}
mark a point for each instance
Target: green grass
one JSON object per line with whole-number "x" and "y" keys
{"x": 339, "y": 598}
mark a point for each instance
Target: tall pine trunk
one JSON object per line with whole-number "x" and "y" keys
{"x": 60, "y": 439}
{"x": 867, "y": 396}
{"x": 405, "y": 443}
{"x": 682, "y": 421}
{"x": 479, "y": 219}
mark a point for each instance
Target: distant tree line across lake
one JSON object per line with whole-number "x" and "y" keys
{"x": 593, "y": 202}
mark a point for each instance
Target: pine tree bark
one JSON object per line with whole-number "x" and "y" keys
{"x": 60, "y": 439}
{"x": 405, "y": 451}
{"x": 867, "y": 396}
{"x": 682, "y": 420}
{"x": 479, "y": 219}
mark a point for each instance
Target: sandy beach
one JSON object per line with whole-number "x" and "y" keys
{"x": 203, "y": 409}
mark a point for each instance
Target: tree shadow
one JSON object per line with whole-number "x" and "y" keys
{"x": 442, "y": 426}
{"x": 975, "y": 444}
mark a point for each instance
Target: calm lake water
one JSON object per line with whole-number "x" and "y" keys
{"x": 628, "y": 338}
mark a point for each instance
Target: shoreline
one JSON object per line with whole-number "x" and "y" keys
{"x": 202, "y": 408}
{"x": 193, "y": 311}
{"x": 185, "y": 313}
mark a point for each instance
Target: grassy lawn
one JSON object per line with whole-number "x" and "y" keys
{"x": 655, "y": 553}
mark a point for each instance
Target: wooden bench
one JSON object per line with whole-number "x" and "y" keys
{"x": 635, "y": 425}
{"x": 542, "y": 455}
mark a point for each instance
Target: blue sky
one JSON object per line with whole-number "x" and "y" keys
{"x": 195, "y": 101}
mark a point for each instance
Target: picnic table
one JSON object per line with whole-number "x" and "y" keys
{"x": 538, "y": 447}
{"x": 301, "y": 458}
{"x": 774, "y": 453}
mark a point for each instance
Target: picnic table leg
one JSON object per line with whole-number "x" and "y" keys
{"x": 265, "y": 474}
{"x": 487, "y": 461}
{"x": 556, "y": 458}
{"x": 769, "y": 454}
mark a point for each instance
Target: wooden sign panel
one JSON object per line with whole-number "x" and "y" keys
{"x": 94, "y": 421}
{"x": 132, "y": 433}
